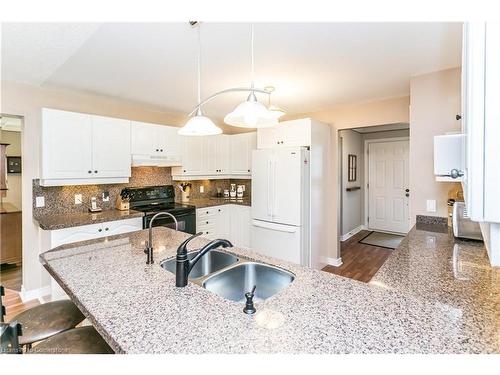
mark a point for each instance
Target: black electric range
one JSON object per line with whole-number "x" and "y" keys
{"x": 154, "y": 199}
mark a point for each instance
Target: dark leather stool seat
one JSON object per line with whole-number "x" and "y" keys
{"x": 81, "y": 340}
{"x": 49, "y": 319}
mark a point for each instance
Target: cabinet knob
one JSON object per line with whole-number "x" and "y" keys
{"x": 161, "y": 150}
{"x": 184, "y": 171}
{"x": 99, "y": 230}
{"x": 207, "y": 212}
{"x": 207, "y": 222}
{"x": 157, "y": 150}
{"x": 90, "y": 171}
{"x": 106, "y": 228}
{"x": 95, "y": 171}
{"x": 219, "y": 209}
{"x": 458, "y": 117}
{"x": 249, "y": 170}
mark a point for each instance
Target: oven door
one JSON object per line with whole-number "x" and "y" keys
{"x": 186, "y": 222}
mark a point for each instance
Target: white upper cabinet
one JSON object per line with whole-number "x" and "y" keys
{"x": 110, "y": 147}
{"x": 218, "y": 156}
{"x": 157, "y": 145}
{"x": 66, "y": 145}
{"x": 78, "y": 148}
{"x": 241, "y": 153}
{"x": 294, "y": 133}
{"x": 480, "y": 120}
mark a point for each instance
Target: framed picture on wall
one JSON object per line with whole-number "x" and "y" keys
{"x": 351, "y": 167}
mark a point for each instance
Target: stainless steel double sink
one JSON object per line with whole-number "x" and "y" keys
{"x": 231, "y": 277}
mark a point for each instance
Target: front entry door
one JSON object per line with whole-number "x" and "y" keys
{"x": 388, "y": 186}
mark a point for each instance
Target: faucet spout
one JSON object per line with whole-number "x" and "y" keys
{"x": 184, "y": 265}
{"x": 149, "y": 245}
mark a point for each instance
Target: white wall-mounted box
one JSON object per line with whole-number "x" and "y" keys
{"x": 448, "y": 156}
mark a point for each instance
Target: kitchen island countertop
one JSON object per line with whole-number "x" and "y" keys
{"x": 137, "y": 308}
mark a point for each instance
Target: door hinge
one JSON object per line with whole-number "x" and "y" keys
{"x": 368, "y": 219}
{"x": 367, "y": 185}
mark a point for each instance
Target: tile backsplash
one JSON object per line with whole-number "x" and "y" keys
{"x": 61, "y": 199}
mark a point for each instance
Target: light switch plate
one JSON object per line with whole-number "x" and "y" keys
{"x": 40, "y": 202}
{"x": 431, "y": 205}
{"x": 78, "y": 199}
{"x": 105, "y": 196}
{"x": 202, "y": 189}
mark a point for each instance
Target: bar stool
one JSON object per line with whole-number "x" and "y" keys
{"x": 50, "y": 321}
{"x": 9, "y": 338}
{"x": 46, "y": 320}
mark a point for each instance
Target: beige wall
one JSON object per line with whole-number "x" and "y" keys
{"x": 14, "y": 179}
{"x": 27, "y": 101}
{"x": 435, "y": 100}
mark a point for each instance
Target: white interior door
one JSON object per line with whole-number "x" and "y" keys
{"x": 388, "y": 175}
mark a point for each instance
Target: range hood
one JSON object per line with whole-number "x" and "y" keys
{"x": 3, "y": 168}
{"x": 139, "y": 160}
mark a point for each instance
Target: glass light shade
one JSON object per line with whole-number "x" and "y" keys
{"x": 199, "y": 125}
{"x": 250, "y": 114}
{"x": 275, "y": 112}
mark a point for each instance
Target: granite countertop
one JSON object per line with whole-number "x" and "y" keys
{"x": 454, "y": 275}
{"x": 61, "y": 221}
{"x": 8, "y": 208}
{"x": 137, "y": 308}
{"x": 209, "y": 202}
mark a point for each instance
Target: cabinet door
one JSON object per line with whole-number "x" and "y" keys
{"x": 240, "y": 219}
{"x": 222, "y": 154}
{"x": 295, "y": 133}
{"x": 66, "y": 145}
{"x": 110, "y": 147}
{"x": 143, "y": 137}
{"x": 210, "y": 147}
{"x": 241, "y": 153}
{"x": 268, "y": 137}
{"x": 193, "y": 155}
{"x": 222, "y": 222}
{"x": 169, "y": 142}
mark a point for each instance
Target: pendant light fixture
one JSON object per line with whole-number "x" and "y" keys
{"x": 251, "y": 113}
{"x": 274, "y": 111}
{"x": 199, "y": 125}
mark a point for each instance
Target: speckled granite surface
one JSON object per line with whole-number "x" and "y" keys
{"x": 210, "y": 202}
{"x": 454, "y": 275}
{"x": 432, "y": 220}
{"x": 138, "y": 309}
{"x": 61, "y": 221}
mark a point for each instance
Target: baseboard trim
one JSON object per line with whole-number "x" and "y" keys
{"x": 29, "y": 295}
{"x": 348, "y": 235}
{"x": 336, "y": 262}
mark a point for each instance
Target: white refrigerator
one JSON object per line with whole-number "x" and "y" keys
{"x": 280, "y": 204}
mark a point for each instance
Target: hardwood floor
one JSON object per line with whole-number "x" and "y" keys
{"x": 14, "y": 305}
{"x": 11, "y": 276}
{"x": 360, "y": 261}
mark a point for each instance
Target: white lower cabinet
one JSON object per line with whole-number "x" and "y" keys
{"x": 54, "y": 238}
{"x": 230, "y": 221}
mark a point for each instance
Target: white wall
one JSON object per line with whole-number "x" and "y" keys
{"x": 352, "y": 201}
{"x": 435, "y": 100}
{"x": 13, "y": 195}
{"x": 27, "y": 101}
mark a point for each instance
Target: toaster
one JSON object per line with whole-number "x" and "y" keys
{"x": 463, "y": 226}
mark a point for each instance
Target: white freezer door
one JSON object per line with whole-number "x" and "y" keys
{"x": 262, "y": 189}
{"x": 276, "y": 240}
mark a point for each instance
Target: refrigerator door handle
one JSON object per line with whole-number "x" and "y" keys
{"x": 274, "y": 226}
{"x": 269, "y": 203}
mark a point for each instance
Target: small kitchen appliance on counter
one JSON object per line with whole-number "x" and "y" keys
{"x": 463, "y": 226}
{"x": 93, "y": 205}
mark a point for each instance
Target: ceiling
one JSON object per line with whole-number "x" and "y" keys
{"x": 311, "y": 65}
{"x": 382, "y": 128}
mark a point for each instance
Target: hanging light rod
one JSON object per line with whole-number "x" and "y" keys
{"x": 233, "y": 89}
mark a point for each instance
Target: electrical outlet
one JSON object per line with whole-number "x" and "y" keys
{"x": 78, "y": 199}
{"x": 40, "y": 202}
{"x": 431, "y": 205}
{"x": 202, "y": 189}
{"x": 243, "y": 187}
